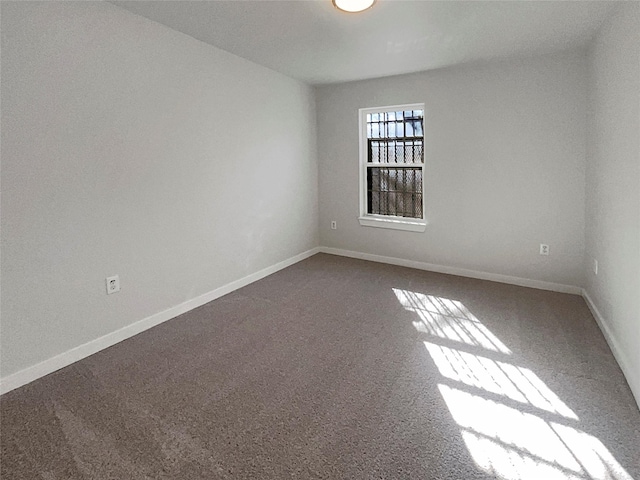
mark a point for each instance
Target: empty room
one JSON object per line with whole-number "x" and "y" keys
{"x": 320, "y": 239}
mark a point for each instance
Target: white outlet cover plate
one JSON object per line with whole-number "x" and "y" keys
{"x": 113, "y": 284}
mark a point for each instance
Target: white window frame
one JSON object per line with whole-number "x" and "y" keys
{"x": 386, "y": 221}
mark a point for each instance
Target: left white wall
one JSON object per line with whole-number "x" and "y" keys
{"x": 131, "y": 149}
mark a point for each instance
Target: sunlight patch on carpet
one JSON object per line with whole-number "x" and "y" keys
{"x": 448, "y": 319}
{"x": 514, "y": 426}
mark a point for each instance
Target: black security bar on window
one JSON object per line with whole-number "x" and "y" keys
{"x": 394, "y": 191}
{"x": 395, "y": 124}
{"x": 397, "y": 150}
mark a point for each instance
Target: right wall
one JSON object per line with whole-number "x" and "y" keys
{"x": 612, "y": 225}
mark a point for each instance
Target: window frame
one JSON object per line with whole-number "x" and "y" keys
{"x": 366, "y": 219}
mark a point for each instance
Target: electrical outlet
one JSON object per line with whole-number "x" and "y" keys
{"x": 544, "y": 249}
{"x": 334, "y": 225}
{"x": 113, "y": 284}
{"x": 595, "y": 266}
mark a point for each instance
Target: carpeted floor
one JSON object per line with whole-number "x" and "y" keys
{"x": 340, "y": 368}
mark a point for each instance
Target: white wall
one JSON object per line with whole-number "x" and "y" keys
{"x": 131, "y": 149}
{"x": 505, "y": 166}
{"x": 613, "y": 185}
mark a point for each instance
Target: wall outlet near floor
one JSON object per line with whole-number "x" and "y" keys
{"x": 334, "y": 225}
{"x": 113, "y": 284}
{"x": 544, "y": 249}
{"x": 595, "y": 266}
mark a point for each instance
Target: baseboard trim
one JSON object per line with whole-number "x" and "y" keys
{"x": 62, "y": 360}
{"x": 634, "y": 383}
{"x": 462, "y": 272}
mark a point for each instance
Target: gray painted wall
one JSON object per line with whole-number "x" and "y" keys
{"x": 131, "y": 149}
{"x": 505, "y": 166}
{"x": 613, "y": 184}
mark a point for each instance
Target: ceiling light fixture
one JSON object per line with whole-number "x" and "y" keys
{"x": 353, "y": 6}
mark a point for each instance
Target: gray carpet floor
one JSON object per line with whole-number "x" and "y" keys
{"x": 340, "y": 368}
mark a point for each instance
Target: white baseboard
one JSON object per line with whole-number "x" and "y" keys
{"x": 50, "y": 365}
{"x": 62, "y": 360}
{"x": 632, "y": 380}
{"x": 462, "y": 272}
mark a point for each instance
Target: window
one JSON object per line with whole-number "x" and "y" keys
{"x": 392, "y": 167}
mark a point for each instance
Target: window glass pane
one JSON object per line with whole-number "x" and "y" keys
{"x": 374, "y": 151}
{"x": 394, "y": 191}
{"x": 395, "y": 140}
{"x": 408, "y": 129}
{"x": 402, "y": 150}
{"x": 391, "y": 150}
{"x": 392, "y": 129}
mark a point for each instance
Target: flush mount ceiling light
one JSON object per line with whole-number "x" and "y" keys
{"x": 353, "y": 6}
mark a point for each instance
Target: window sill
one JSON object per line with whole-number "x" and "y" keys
{"x": 395, "y": 223}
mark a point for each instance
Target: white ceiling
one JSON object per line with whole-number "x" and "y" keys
{"x": 314, "y": 42}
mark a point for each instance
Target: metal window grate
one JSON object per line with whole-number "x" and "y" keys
{"x": 395, "y": 138}
{"x": 395, "y": 124}
{"x": 395, "y": 191}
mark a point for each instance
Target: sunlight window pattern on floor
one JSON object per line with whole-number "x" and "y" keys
{"x": 514, "y": 426}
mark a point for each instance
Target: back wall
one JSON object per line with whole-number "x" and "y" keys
{"x": 505, "y": 166}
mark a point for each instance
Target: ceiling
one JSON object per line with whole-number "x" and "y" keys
{"x": 314, "y": 42}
